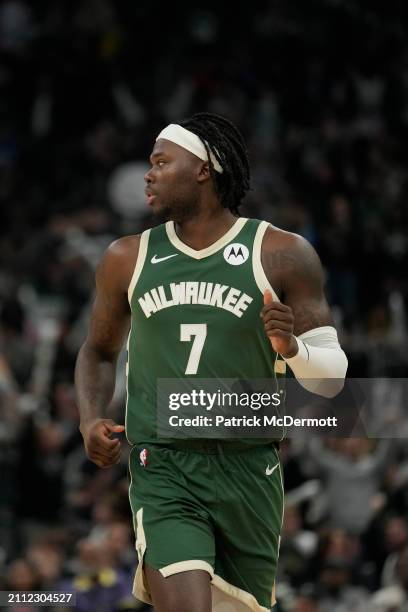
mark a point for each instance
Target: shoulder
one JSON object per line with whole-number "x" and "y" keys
{"x": 287, "y": 254}
{"x": 123, "y": 251}
{"x": 276, "y": 239}
{"x": 124, "y": 247}
{"x": 118, "y": 262}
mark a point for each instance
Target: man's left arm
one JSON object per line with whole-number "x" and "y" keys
{"x": 300, "y": 326}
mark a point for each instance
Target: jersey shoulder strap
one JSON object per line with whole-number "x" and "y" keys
{"x": 141, "y": 258}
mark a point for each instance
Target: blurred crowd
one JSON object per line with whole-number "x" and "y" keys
{"x": 320, "y": 91}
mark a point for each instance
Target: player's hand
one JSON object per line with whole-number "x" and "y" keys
{"x": 99, "y": 445}
{"x": 278, "y": 322}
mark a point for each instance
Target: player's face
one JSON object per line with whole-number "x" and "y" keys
{"x": 171, "y": 183}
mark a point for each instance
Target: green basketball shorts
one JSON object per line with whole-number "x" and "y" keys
{"x": 212, "y": 509}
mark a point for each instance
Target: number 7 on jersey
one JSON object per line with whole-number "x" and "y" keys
{"x": 199, "y": 332}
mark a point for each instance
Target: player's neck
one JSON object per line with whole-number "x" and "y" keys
{"x": 205, "y": 228}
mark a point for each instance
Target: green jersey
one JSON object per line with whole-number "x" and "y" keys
{"x": 195, "y": 314}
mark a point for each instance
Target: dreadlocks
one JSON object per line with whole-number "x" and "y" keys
{"x": 225, "y": 142}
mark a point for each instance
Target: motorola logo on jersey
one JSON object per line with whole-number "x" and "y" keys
{"x": 236, "y": 254}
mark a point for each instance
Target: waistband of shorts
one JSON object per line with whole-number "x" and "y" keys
{"x": 218, "y": 447}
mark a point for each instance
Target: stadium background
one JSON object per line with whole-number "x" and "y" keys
{"x": 320, "y": 91}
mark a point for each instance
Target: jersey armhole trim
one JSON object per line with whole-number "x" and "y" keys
{"x": 259, "y": 273}
{"x": 141, "y": 257}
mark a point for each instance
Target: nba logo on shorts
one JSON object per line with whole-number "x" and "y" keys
{"x": 143, "y": 457}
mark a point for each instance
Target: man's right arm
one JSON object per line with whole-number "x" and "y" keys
{"x": 95, "y": 370}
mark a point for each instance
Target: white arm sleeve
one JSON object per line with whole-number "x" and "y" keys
{"x": 320, "y": 366}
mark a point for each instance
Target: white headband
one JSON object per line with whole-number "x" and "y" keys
{"x": 186, "y": 139}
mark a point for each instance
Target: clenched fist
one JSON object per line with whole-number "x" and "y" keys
{"x": 278, "y": 322}
{"x": 99, "y": 446}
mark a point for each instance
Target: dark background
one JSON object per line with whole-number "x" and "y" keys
{"x": 320, "y": 92}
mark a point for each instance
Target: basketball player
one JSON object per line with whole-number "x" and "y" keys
{"x": 207, "y": 294}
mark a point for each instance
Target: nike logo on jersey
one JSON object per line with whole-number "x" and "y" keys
{"x": 270, "y": 471}
{"x": 156, "y": 259}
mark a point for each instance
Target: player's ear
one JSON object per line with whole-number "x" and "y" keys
{"x": 203, "y": 172}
